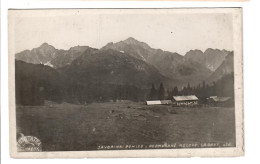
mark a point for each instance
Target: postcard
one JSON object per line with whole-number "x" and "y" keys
{"x": 125, "y": 83}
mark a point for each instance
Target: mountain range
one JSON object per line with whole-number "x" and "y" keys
{"x": 169, "y": 64}
{"x": 113, "y": 67}
{"x": 128, "y": 63}
{"x": 211, "y": 58}
{"x": 48, "y": 55}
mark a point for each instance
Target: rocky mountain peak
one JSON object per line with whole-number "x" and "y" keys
{"x": 133, "y": 41}
{"x": 46, "y": 46}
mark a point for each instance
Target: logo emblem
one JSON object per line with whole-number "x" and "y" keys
{"x": 28, "y": 144}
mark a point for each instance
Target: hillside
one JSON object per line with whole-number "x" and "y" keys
{"x": 41, "y": 55}
{"x": 169, "y": 64}
{"x": 35, "y": 83}
{"x": 211, "y": 58}
{"x": 108, "y": 66}
{"x": 227, "y": 67}
{"x": 48, "y": 55}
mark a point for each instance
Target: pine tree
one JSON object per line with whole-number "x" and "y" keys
{"x": 169, "y": 94}
{"x": 188, "y": 86}
{"x": 175, "y": 91}
{"x": 153, "y": 93}
{"x": 161, "y": 92}
{"x": 188, "y": 92}
{"x": 203, "y": 84}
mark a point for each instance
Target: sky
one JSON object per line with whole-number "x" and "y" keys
{"x": 168, "y": 30}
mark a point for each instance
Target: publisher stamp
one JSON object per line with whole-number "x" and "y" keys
{"x": 29, "y": 144}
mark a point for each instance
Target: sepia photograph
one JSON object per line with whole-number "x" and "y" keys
{"x": 114, "y": 82}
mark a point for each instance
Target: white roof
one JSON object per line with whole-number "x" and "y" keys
{"x": 220, "y": 99}
{"x": 185, "y": 98}
{"x": 155, "y": 102}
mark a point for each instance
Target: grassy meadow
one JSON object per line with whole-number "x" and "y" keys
{"x": 67, "y": 127}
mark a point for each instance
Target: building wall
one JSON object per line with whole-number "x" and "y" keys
{"x": 186, "y": 103}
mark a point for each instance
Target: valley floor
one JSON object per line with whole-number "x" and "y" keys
{"x": 68, "y": 127}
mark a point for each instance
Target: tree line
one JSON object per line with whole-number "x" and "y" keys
{"x": 224, "y": 87}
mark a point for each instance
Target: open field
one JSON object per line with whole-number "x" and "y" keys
{"x": 64, "y": 127}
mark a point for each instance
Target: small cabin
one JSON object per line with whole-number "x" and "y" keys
{"x": 215, "y": 100}
{"x": 154, "y": 102}
{"x": 185, "y": 100}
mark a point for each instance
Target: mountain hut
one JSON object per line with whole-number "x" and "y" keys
{"x": 154, "y": 102}
{"x": 185, "y": 100}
